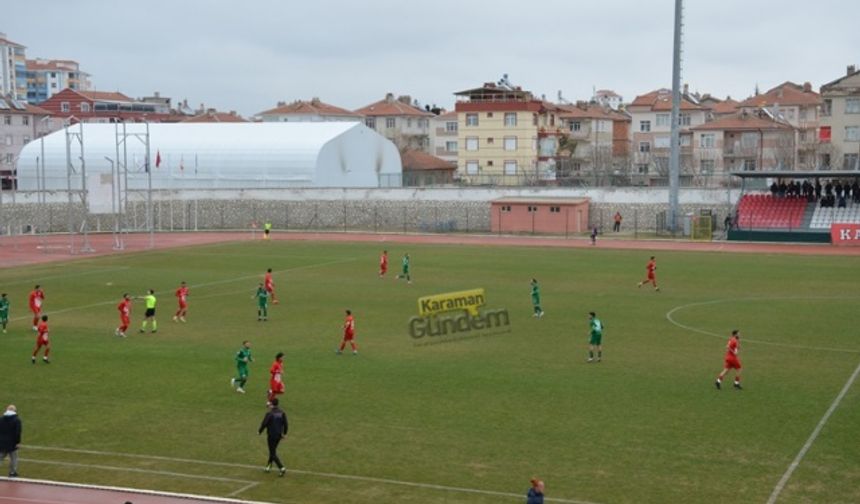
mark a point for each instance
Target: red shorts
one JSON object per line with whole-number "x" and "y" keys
{"x": 36, "y": 310}
{"x": 42, "y": 341}
{"x": 183, "y": 305}
{"x": 383, "y": 268}
{"x": 732, "y": 362}
{"x": 124, "y": 321}
{"x": 277, "y": 387}
{"x": 348, "y": 336}
{"x": 652, "y": 276}
{"x": 270, "y": 288}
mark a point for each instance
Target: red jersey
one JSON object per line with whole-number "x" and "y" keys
{"x": 652, "y": 265}
{"x": 124, "y": 308}
{"x": 732, "y": 348}
{"x": 383, "y": 260}
{"x": 182, "y": 294}
{"x": 43, "y": 330}
{"x": 268, "y": 280}
{"x": 349, "y": 325}
{"x": 276, "y": 371}
{"x": 36, "y": 298}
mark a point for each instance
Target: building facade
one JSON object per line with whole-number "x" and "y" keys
{"x": 13, "y": 69}
{"x": 506, "y": 136}
{"x": 840, "y": 122}
{"x": 45, "y": 78}
{"x": 20, "y": 124}
{"x": 594, "y": 143}
{"x": 313, "y": 110}
{"x": 443, "y": 136}
{"x": 607, "y": 98}
{"x": 107, "y": 107}
{"x": 398, "y": 120}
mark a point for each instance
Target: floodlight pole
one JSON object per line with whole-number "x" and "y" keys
{"x": 675, "y": 153}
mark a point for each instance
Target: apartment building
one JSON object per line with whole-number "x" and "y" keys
{"x": 313, "y": 110}
{"x": 595, "y": 139}
{"x": 400, "y": 121}
{"x": 748, "y": 140}
{"x": 607, "y": 98}
{"x": 650, "y": 130}
{"x": 443, "y": 136}
{"x": 45, "y": 78}
{"x": 13, "y": 69}
{"x": 20, "y": 123}
{"x": 840, "y": 122}
{"x": 798, "y": 105}
{"x": 506, "y": 136}
{"x": 104, "y": 107}
{"x": 718, "y": 107}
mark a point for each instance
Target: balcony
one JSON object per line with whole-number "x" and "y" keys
{"x": 740, "y": 152}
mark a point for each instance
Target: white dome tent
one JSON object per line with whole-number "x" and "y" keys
{"x": 211, "y": 156}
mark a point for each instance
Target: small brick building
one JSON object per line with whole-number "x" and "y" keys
{"x": 539, "y": 215}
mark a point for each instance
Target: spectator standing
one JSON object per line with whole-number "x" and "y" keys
{"x": 535, "y": 493}
{"x": 594, "y": 235}
{"x": 10, "y": 438}
{"x": 817, "y": 189}
{"x": 276, "y": 426}
{"x": 617, "y": 225}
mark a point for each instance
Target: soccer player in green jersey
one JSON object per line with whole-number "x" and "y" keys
{"x": 243, "y": 357}
{"x": 262, "y": 297}
{"x": 536, "y": 299}
{"x": 596, "y": 338}
{"x": 405, "y": 269}
{"x": 150, "y": 300}
{"x": 4, "y": 311}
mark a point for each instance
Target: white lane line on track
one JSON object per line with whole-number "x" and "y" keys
{"x": 812, "y": 437}
{"x": 368, "y": 479}
{"x": 670, "y": 313}
{"x": 136, "y": 470}
{"x": 195, "y": 286}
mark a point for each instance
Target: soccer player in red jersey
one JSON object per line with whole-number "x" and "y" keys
{"x": 732, "y": 361}
{"x": 383, "y": 264}
{"x": 42, "y": 341}
{"x": 37, "y": 297}
{"x": 182, "y": 297}
{"x": 124, "y": 308}
{"x": 348, "y": 334}
{"x": 651, "y": 267}
{"x": 276, "y": 382}
{"x": 270, "y": 285}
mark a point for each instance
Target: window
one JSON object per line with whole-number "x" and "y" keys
{"x": 642, "y": 169}
{"x": 85, "y": 107}
{"x": 577, "y": 167}
{"x": 555, "y": 209}
{"x": 852, "y": 133}
{"x": 801, "y": 114}
{"x": 25, "y": 120}
{"x": 491, "y": 141}
{"x": 471, "y": 143}
{"x": 661, "y": 142}
{"x": 370, "y": 122}
{"x": 471, "y": 119}
{"x": 790, "y": 114}
{"x": 510, "y": 167}
{"x": 644, "y": 147}
{"x": 802, "y": 135}
{"x": 472, "y": 168}
{"x": 749, "y": 164}
{"x": 10, "y": 158}
{"x": 450, "y": 146}
{"x": 575, "y": 126}
{"x": 490, "y": 163}
{"x": 7, "y": 120}
{"x": 451, "y": 126}
{"x": 684, "y": 120}
{"x": 664, "y": 120}
{"x": 53, "y": 75}
{"x": 390, "y": 122}
{"x": 850, "y": 162}
{"x": 9, "y": 141}
{"x": 26, "y": 139}
{"x": 749, "y": 140}
{"x": 533, "y": 209}
{"x": 706, "y": 166}
{"x": 510, "y": 143}
{"x": 827, "y": 107}
{"x": 64, "y": 106}
{"x": 505, "y": 208}
{"x": 489, "y": 115}
{"x": 707, "y": 141}
{"x": 852, "y": 105}
{"x": 409, "y": 122}
{"x": 510, "y": 118}
{"x": 824, "y": 134}
{"x": 645, "y": 126}
{"x": 685, "y": 140}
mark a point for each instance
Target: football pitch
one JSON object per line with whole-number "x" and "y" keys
{"x": 466, "y": 417}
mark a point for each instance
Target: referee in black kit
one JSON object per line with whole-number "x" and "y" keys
{"x": 275, "y": 422}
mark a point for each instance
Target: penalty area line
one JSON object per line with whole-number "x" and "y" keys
{"x": 367, "y": 479}
{"x": 780, "y": 486}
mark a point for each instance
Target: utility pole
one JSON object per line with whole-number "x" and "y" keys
{"x": 675, "y": 154}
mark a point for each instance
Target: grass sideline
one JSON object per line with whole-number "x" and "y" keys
{"x": 643, "y": 426}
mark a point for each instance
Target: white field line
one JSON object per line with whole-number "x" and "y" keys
{"x": 66, "y": 275}
{"x": 246, "y": 487}
{"x": 369, "y": 479}
{"x": 812, "y": 437}
{"x": 139, "y": 491}
{"x": 195, "y": 286}
{"x": 671, "y": 312}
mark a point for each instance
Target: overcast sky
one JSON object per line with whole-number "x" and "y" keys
{"x": 248, "y": 55}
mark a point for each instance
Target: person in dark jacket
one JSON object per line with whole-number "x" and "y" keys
{"x": 535, "y": 494}
{"x": 10, "y": 438}
{"x": 275, "y": 424}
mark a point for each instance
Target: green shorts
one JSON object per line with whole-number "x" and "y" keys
{"x": 595, "y": 339}
{"x": 242, "y": 371}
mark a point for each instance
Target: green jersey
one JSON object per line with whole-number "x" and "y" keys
{"x": 267, "y": 226}
{"x": 243, "y": 357}
{"x": 262, "y": 296}
{"x": 405, "y": 263}
{"x": 4, "y": 308}
{"x": 150, "y": 301}
{"x": 596, "y": 327}
{"x": 535, "y": 293}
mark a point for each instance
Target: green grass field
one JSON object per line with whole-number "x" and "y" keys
{"x": 644, "y": 426}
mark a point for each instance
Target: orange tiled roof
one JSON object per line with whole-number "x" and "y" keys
{"x": 312, "y": 107}
{"x": 726, "y": 106}
{"x": 392, "y": 107}
{"x": 590, "y": 111}
{"x": 52, "y": 65}
{"x": 104, "y": 95}
{"x": 787, "y": 93}
{"x": 216, "y": 117}
{"x": 419, "y": 160}
{"x": 661, "y": 100}
{"x": 744, "y": 121}
{"x": 452, "y": 115}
